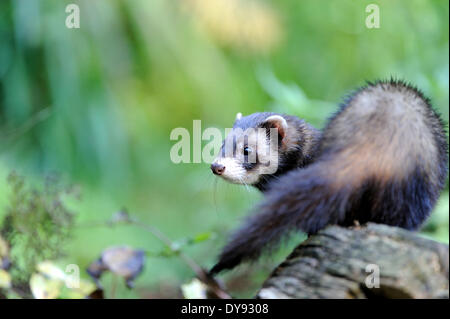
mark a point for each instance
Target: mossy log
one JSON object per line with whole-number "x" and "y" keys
{"x": 346, "y": 263}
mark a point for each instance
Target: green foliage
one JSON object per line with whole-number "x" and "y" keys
{"x": 37, "y": 224}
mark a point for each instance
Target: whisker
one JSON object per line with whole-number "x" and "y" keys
{"x": 245, "y": 184}
{"x": 215, "y": 195}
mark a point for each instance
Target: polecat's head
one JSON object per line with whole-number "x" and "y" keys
{"x": 254, "y": 148}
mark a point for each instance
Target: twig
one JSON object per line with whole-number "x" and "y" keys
{"x": 113, "y": 286}
{"x": 214, "y": 286}
{"x": 39, "y": 117}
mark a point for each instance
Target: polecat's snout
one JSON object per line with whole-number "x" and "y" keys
{"x": 217, "y": 168}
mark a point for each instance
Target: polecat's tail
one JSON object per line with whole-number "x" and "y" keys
{"x": 382, "y": 158}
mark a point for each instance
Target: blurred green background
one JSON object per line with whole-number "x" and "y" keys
{"x": 97, "y": 105}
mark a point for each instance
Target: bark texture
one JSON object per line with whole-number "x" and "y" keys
{"x": 345, "y": 262}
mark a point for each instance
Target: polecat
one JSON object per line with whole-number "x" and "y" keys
{"x": 383, "y": 158}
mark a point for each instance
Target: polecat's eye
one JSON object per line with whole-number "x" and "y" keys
{"x": 247, "y": 150}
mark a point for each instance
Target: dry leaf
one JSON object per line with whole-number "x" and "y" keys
{"x": 123, "y": 261}
{"x": 5, "y": 279}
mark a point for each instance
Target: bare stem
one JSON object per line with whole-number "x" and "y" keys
{"x": 201, "y": 274}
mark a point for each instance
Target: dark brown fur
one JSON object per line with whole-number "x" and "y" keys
{"x": 297, "y": 149}
{"x": 383, "y": 157}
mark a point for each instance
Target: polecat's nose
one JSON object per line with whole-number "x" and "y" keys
{"x": 217, "y": 169}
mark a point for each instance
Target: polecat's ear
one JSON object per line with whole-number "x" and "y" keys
{"x": 238, "y": 116}
{"x": 278, "y": 122}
